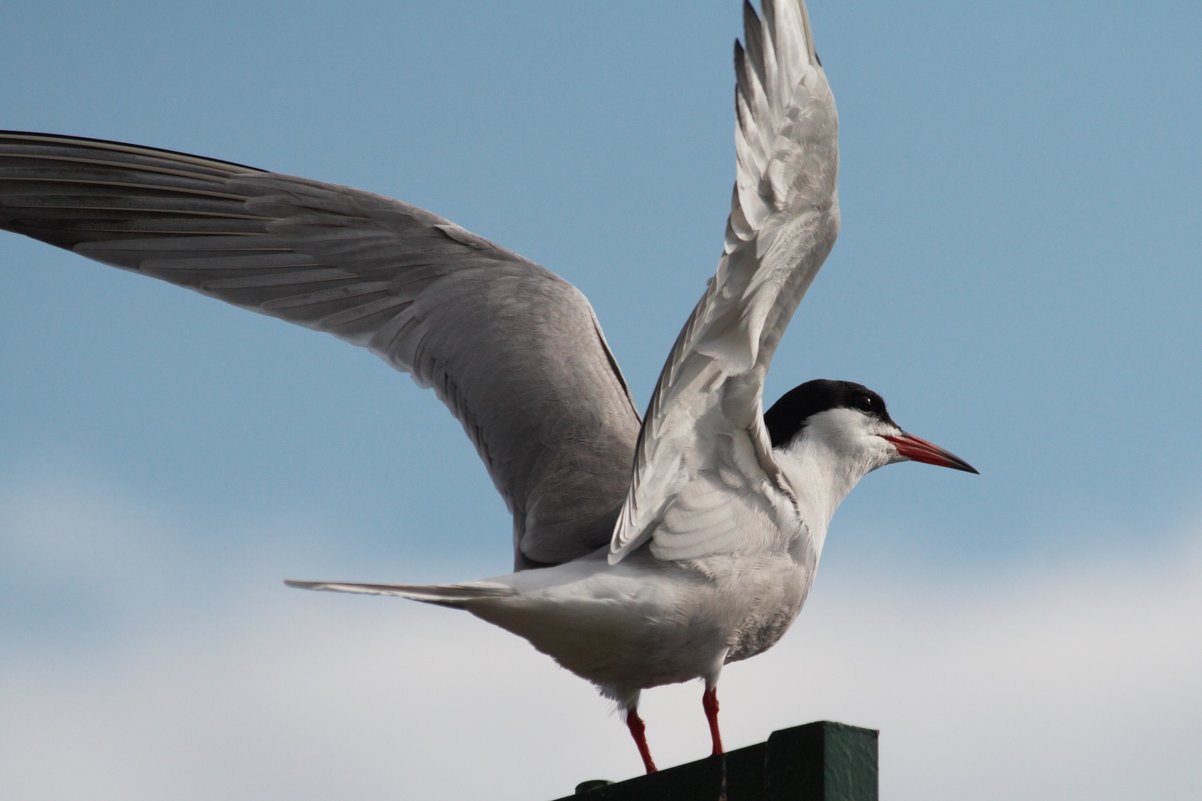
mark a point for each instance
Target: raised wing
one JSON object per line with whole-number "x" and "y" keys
{"x": 513, "y": 350}
{"x": 704, "y": 428}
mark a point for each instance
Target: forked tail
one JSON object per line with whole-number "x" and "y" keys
{"x": 453, "y": 595}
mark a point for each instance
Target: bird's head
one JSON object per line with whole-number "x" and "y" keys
{"x": 847, "y": 426}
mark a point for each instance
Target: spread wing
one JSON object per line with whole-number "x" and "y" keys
{"x": 513, "y": 350}
{"x": 704, "y": 431}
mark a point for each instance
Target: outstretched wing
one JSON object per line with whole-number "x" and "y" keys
{"x": 704, "y": 429}
{"x": 513, "y": 350}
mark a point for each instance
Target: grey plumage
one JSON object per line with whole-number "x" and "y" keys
{"x": 469, "y": 319}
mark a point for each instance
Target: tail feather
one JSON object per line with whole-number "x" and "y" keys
{"x": 453, "y": 595}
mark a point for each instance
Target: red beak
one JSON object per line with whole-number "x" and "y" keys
{"x": 920, "y": 450}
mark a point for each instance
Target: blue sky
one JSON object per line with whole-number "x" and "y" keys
{"x": 1016, "y": 274}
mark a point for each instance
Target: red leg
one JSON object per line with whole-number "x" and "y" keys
{"x": 709, "y": 702}
{"x": 638, "y": 732}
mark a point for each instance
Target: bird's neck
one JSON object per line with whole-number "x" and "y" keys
{"x": 820, "y": 479}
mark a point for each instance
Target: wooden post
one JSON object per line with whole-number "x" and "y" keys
{"x": 821, "y": 761}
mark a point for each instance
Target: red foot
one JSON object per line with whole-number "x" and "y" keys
{"x": 709, "y": 702}
{"x": 638, "y": 732}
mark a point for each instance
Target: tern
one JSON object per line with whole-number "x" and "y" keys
{"x": 647, "y": 551}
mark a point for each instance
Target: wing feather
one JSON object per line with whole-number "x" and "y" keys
{"x": 513, "y": 350}
{"x": 706, "y": 415}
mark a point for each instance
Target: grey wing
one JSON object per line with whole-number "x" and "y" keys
{"x": 704, "y": 433}
{"x": 513, "y": 350}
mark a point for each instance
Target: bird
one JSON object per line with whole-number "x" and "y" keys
{"x": 648, "y": 549}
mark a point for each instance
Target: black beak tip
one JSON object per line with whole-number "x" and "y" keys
{"x": 967, "y": 468}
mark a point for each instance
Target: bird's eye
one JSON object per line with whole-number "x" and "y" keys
{"x": 864, "y": 403}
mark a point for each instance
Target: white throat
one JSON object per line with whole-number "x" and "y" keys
{"x": 825, "y": 461}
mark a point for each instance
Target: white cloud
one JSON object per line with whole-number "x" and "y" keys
{"x": 1074, "y": 681}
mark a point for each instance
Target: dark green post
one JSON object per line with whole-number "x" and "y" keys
{"x": 821, "y": 761}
